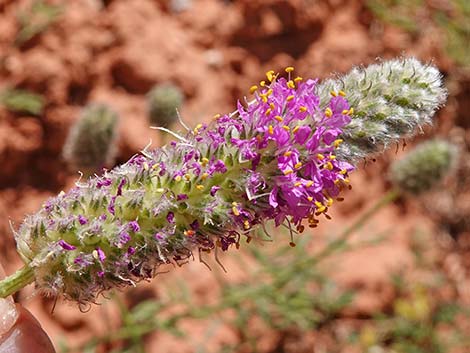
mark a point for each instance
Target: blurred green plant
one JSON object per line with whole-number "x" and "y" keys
{"x": 420, "y": 319}
{"x": 163, "y": 102}
{"x": 91, "y": 143}
{"x": 22, "y": 101}
{"x": 36, "y": 20}
{"x": 452, "y": 17}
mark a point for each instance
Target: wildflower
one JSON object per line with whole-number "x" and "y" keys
{"x": 279, "y": 157}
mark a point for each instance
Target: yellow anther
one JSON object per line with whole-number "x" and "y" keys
{"x": 200, "y": 187}
{"x": 310, "y": 198}
{"x": 272, "y": 106}
{"x": 279, "y": 118}
{"x": 320, "y": 207}
{"x": 187, "y": 176}
{"x": 337, "y": 181}
{"x": 337, "y": 142}
{"x": 178, "y": 178}
{"x": 268, "y": 111}
{"x": 204, "y": 176}
{"x": 216, "y": 116}
{"x": 264, "y": 98}
{"x": 287, "y": 153}
{"x": 288, "y": 171}
{"x": 234, "y": 203}
{"x": 295, "y": 129}
{"x": 253, "y": 89}
{"x": 298, "y": 165}
{"x": 346, "y": 180}
{"x": 298, "y": 79}
{"x": 246, "y": 224}
{"x": 342, "y": 93}
{"x": 290, "y": 84}
{"x": 204, "y": 161}
{"x": 285, "y": 127}
{"x": 343, "y": 171}
{"x": 235, "y": 211}
{"x": 329, "y": 166}
{"x": 271, "y": 129}
{"x": 289, "y": 98}
{"x": 155, "y": 166}
{"x": 329, "y": 202}
{"x": 269, "y": 92}
{"x": 146, "y": 166}
{"x": 351, "y": 111}
{"x": 196, "y": 129}
{"x": 334, "y": 94}
{"x": 270, "y": 75}
{"x": 320, "y": 156}
{"x": 289, "y": 69}
{"x": 160, "y": 190}
{"x": 297, "y": 184}
{"x": 309, "y": 183}
{"x": 345, "y": 112}
{"x": 302, "y": 109}
{"x": 262, "y": 83}
{"x": 332, "y": 157}
{"x": 328, "y": 112}
{"x": 189, "y": 232}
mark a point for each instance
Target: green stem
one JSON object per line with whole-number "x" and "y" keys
{"x": 391, "y": 196}
{"x": 16, "y": 281}
{"x": 338, "y": 243}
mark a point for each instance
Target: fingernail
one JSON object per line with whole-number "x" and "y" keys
{"x": 8, "y": 312}
{"x": 8, "y": 315}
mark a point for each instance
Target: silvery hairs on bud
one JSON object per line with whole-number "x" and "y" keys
{"x": 391, "y": 99}
{"x": 424, "y": 167}
{"x": 91, "y": 143}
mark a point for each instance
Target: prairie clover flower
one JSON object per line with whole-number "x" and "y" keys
{"x": 274, "y": 158}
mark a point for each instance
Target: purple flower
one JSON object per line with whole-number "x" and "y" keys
{"x": 181, "y": 197}
{"x": 170, "y": 217}
{"x": 124, "y": 238}
{"x": 66, "y": 246}
{"x": 82, "y": 220}
{"x": 134, "y": 226}
{"x": 100, "y": 254}
{"x": 214, "y": 189}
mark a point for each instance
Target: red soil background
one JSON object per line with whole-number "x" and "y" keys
{"x": 115, "y": 51}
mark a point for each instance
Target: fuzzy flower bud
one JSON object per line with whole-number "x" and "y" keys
{"x": 424, "y": 167}
{"x": 91, "y": 143}
{"x": 390, "y": 99}
{"x": 163, "y": 102}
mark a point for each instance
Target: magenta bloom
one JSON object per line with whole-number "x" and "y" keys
{"x": 272, "y": 159}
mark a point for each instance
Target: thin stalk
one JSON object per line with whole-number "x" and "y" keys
{"x": 338, "y": 243}
{"x": 16, "y": 281}
{"x": 389, "y": 197}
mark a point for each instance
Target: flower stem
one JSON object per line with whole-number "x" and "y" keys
{"x": 16, "y": 281}
{"x": 358, "y": 224}
{"x": 339, "y": 243}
